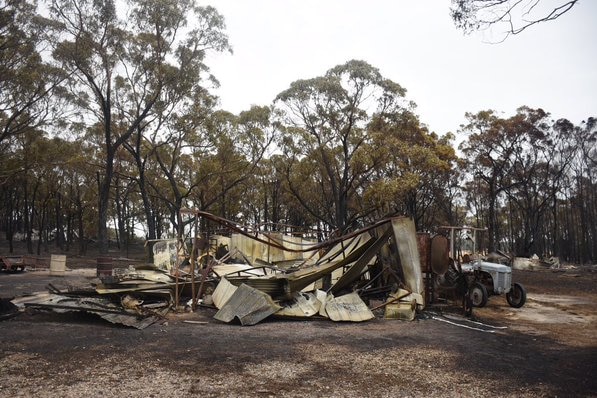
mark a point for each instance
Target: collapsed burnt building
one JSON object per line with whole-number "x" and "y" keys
{"x": 336, "y": 278}
{"x": 384, "y": 269}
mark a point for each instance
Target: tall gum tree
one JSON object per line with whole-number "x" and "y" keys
{"x": 323, "y": 128}
{"x": 494, "y": 149}
{"x": 238, "y": 144}
{"x": 412, "y": 169}
{"x": 537, "y": 180}
{"x": 128, "y": 64}
{"x": 580, "y": 243}
{"x": 26, "y": 80}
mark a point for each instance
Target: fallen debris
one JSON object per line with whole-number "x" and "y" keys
{"x": 251, "y": 276}
{"x": 249, "y": 305}
{"x": 347, "y": 308}
{"x": 373, "y": 261}
{"x": 7, "y": 309}
{"x": 535, "y": 263}
{"x": 133, "y": 314}
{"x": 465, "y": 323}
{"x": 302, "y": 305}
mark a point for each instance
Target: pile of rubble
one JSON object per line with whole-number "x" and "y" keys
{"x": 248, "y": 277}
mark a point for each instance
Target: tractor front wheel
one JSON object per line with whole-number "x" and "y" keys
{"x": 517, "y": 296}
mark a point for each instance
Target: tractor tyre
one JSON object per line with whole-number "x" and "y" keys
{"x": 479, "y": 295}
{"x": 517, "y": 296}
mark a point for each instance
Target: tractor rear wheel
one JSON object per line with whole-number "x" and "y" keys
{"x": 479, "y": 295}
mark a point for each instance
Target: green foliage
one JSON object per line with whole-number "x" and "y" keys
{"x": 412, "y": 167}
{"x": 139, "y": 71}
{"x": 520, "y": 169}
{"x": 135, "y": 134}
{"x": 352, "y": 138}
{"x": 26, "y": 79}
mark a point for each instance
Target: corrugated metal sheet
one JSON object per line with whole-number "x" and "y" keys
{"x": 303, "y": 305}
{"x": 223, "y": 292}
{"x": 348, "y": 308}
{"x": 248, "y": 305}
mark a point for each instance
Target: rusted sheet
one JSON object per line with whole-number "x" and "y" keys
{"x": 250, "y": 306}
{"x": 132, "y": 280}
{"x": 284, "y": 286}
{"x": 424, "y": 245}
{"x": 440, "y": 254}
{"x": 146, "y": 288}
{"x": 401, "y": 305}
{"x": 269, "y": 247}
{"x": 241, "y": 270}
{"x": 271, "y": 285}
{"x": 322, "y": 298}
{"x": 342, "y": 248}
{"x": 298, "y": 280}
{"x": 402, "y": 310}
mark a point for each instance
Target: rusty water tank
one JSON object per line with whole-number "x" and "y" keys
{"x": 105, "y": 266}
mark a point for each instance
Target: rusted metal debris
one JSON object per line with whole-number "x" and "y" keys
{"x": 249, "y": 305}
{"x": 334, "y": 280}
{"x": 130, "y": 312}
{"x": 250, "y": 276}
{"x": 130, "y": 297}
{"x": 12, "y": 263}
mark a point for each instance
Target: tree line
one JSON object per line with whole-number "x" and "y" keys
{"x": 108, "y": 127}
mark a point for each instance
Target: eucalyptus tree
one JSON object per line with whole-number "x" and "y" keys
{"x": 185, "y": 102}
{"x": 175, "y": 151}
{"x": 125, "y": 197}
{"x": 322, "y": 131}
{"x": 238, "y": 143}
{"x": 26, "y": 79}
{"x": 538, "y": 180}
{"x": 577, "y": 240}
{"x": 587, "y": 138}
{"x": 266, "y": 198}
{"x": 32, "y": 163}
{"x": 80, "y": 192}
{"x": 413, "y": 171}
{"x": 130, "y": 63}
{"x": 37, "y": 193}
{"x": 495, "y": 151}
{"x": 268, "y": 201}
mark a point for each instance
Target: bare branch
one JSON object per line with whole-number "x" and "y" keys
{"x": 518, "y": 15}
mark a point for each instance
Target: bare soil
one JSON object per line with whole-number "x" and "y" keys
{"x": 547, "y": 348}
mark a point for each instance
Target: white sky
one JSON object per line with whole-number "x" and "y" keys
{"x": 552, "y": 65}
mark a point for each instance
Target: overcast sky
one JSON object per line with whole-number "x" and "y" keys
{"x": 414, "y": 43}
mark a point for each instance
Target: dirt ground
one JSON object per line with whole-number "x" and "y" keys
{"x": 547, "y": 348}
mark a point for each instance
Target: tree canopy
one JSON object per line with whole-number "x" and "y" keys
{"x": 109, "y": 126}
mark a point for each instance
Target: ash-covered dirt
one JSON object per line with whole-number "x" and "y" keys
{"x": 547, "y": 348}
